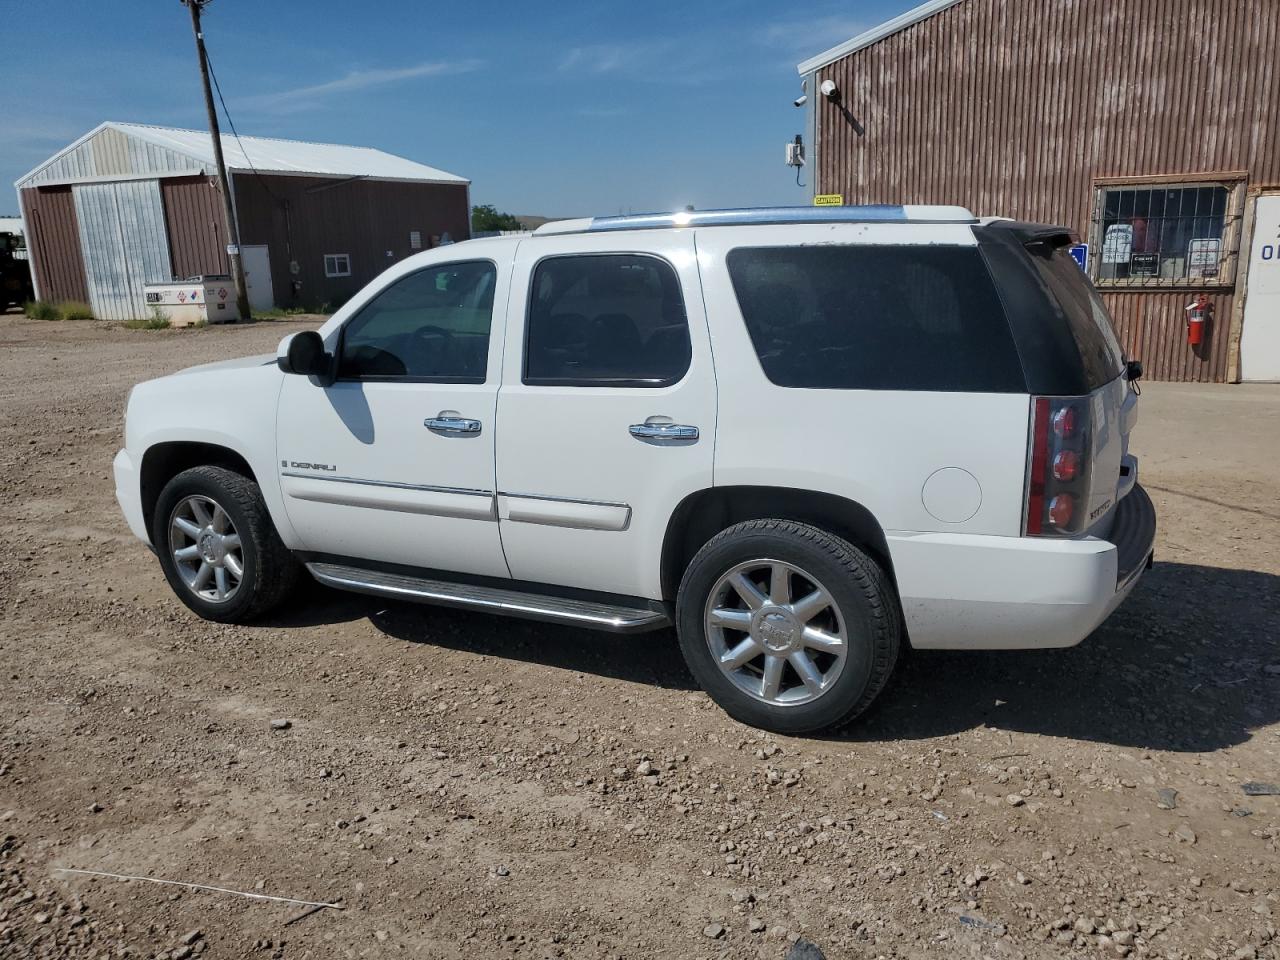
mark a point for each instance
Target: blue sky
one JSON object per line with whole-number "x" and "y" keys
{"x": 551, "y": 108}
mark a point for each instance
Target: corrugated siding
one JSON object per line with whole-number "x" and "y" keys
{"x": 54, "y": 244}
{"x": 110, "y": 150}
{"x": 122, "y": 238}
{"x": 1153, "y": 327}
{"x": 110, "y": 153}
{"x": 197, "y": 228}
{"x": 363, "y": 218}
{"x": 147, "y": 157}
{"x": 1014, "y": 107}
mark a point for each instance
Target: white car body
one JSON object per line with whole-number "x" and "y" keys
{"x": 555, "y": 490}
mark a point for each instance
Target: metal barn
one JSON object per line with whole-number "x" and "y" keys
{"x": 1148, "y": 126}
{"x": 129, "y": 204}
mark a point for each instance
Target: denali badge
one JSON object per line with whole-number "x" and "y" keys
{"x": 1100, "y": 511}
{"x": 294, "y": 464}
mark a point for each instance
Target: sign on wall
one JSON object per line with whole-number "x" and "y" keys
{"x": 1117, "y": 245}
{"x": 1080, "y": 254}
{"x": 1260, "y": 337}
{"x": 1144, "y": 265}
{"x": 829, "y": 200}
{"x": 1202, "y": 257}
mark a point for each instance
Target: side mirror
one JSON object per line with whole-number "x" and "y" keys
{"x": 303, "y": 354}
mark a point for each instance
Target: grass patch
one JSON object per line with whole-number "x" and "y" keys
{"x": 278, "y": 313}
{"x": 40, "y": 310}
{"x": 75, "y": 310}
{"x": 150, "y": 323}
{"x": 68, "y": 310}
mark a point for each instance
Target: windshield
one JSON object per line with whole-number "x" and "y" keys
{"x": 1087, "y": 316}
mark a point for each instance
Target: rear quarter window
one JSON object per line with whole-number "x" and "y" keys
{"x": 1100, "y": 352}
{"x": 876, "y": 318}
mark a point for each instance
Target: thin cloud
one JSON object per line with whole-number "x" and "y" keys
{"x": 601, "y": 57}
{"x": 681, "y": 61}
{"x": 357, "y": 80}
{"x": 813, "y": 35}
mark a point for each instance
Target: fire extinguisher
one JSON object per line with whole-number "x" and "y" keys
{"x": 1197, "y": 315}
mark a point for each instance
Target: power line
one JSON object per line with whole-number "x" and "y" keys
{"x": 232, "y": 124}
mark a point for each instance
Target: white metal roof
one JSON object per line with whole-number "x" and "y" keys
{"x": 270, "y": 155}
{"x": 875, "y": 34}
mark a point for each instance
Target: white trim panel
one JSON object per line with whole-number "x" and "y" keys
{"x": 402, "y": 498}
{"x": 575, "y": 514}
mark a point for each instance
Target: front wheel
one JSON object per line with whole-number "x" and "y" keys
{"x": 787, "y": 627}
{"x": 218, "y": 547}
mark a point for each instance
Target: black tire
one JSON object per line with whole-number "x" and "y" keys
{"x": 270, "y": 571}
{"x": 861, "y": 589}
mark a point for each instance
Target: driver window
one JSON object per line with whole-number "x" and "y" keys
{"x": 432, "y": 326}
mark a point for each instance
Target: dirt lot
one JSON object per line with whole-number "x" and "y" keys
{"x": 469, "y": 787}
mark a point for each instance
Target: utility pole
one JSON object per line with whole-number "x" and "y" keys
{"x": 233, "y": 230}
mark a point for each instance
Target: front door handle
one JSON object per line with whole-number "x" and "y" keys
{"x": 664, "y": 432}
{"x": 453, "y": 426}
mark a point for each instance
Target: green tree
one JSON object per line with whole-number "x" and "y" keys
{"x": 485, "y": 217}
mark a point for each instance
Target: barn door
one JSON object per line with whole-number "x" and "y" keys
{"x": 123, "y": 241}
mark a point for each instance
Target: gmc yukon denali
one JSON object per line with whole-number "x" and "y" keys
{"x": 802, "y": 437}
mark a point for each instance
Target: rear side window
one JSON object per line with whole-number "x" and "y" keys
{"x": 876, "y": 318}
{"x": 1087, "y": 316}
{"x": 606, "y": 320}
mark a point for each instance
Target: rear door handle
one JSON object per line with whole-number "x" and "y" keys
{"x": 664, "y": 432}
{"x": 454, "y": 426}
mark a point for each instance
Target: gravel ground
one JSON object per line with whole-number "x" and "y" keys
{"x": 473, "y": 787}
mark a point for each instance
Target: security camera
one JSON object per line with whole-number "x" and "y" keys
{"x": 801, "y": 100}
{"x": 830, "y": 90}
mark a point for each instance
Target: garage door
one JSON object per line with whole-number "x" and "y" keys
{"x": 122, "y": 239}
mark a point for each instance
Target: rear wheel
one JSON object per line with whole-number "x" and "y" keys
{"x": 218, "y": 547}
{"x": 788, "y": 627}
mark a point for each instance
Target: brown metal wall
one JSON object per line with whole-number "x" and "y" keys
{"x": 317, "y": 216}
{"x": 196, "y": 225}
{"x": 54, "y": 241}
{"x": 1014, "y": 107}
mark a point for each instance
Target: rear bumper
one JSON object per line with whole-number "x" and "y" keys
{"x": 966, "y": 592}
{"x": 129, "y": 494}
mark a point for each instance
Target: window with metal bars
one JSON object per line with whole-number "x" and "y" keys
{"x": 1165, "y": 234}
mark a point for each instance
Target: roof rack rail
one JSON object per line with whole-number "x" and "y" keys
{"x": 870, "y": 213}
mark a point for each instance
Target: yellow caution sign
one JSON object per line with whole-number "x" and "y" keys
{"x": 829, "y": 200}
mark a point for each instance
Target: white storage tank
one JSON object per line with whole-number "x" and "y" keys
{"x": 185, "y": 303}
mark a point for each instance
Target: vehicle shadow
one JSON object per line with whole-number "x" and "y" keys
{"x": 1181, "y": 666}
{"x": 312, "y": 605}
{"x": 649, "y": 658}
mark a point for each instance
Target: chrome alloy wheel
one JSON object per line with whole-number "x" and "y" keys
{"x": 776, "y": 632}
{"x": 206, "y": 548}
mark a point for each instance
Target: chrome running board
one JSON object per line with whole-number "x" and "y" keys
{"x": 511, "y": 603}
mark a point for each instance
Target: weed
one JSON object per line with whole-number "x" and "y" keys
{"x": 75, "y": 310}
{"x": 153, "y": 322}
{"x": 40, "y": 310}
{"x": 278, "y": 313}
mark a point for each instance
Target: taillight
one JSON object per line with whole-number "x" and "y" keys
{"x": 1058, "y": 467}
{"x": 1066, "y": 465}
{"x": 1061, "y": 509}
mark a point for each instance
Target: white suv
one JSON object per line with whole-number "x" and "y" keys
{"x": 802, "y": 436}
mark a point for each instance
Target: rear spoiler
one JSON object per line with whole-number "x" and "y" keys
{"x": 1043, "y": 235}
